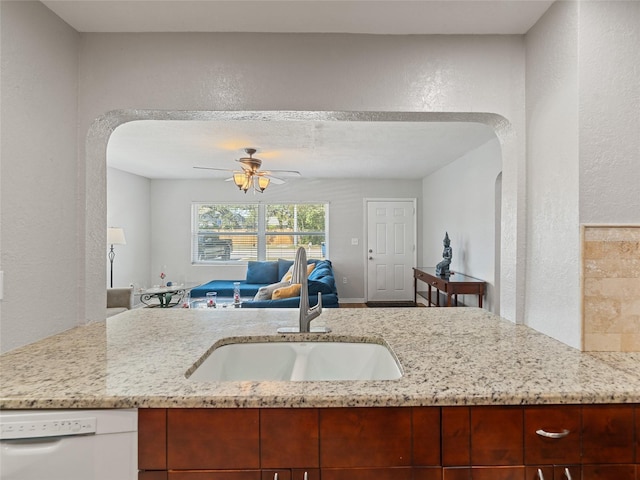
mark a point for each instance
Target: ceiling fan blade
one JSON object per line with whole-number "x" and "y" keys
{"x": 211, "y": 168}
{"x": 276, "y": 180}
{"x": 286, "y": 173}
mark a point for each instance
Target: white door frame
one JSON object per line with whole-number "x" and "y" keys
{"x": 365, "y": 235}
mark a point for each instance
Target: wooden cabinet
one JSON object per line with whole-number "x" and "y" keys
{"x": 536, "y": 442}
{"x": 552, "y": 435}
{"x": 597, "y": 442}
{"x": 365, "y": 437}
{"x": 213, "y": 439}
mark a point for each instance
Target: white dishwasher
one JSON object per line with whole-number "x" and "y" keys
{"x": 68, "y": 444}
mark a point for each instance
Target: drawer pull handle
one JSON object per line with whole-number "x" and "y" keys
{"x": 567, "y": 474}
{"x": 540, "y": 475}
{"x": 561, "y": 434}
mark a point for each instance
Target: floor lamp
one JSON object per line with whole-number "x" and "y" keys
{"x": 115, "y": 236}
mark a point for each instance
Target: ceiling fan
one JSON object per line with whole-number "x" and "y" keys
{"x": 251, "y": 175}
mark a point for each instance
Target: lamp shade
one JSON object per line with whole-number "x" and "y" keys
{"x": 115, "y": 236}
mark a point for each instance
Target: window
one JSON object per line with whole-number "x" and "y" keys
{"x": 243, "y": 232}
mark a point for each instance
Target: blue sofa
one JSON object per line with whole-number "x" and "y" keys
{"x": 262, "y": 274}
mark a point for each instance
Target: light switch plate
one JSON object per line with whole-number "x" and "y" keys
{"x": 354, "y": 241}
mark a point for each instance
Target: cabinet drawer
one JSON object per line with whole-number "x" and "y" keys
{"x": 554, "y": 421}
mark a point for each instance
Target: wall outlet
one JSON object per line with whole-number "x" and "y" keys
{"x": 344, "y": 279}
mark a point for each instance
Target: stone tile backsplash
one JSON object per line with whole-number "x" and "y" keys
{"x": 611, "y": 288}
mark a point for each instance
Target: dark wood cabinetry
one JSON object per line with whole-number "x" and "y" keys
{"x": 598, "y": 442}
{"x": 365, "y": 437}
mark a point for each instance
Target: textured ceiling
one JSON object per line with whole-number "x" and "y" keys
{"x": 318, "y": 149}
{"x": 325, "y": 16}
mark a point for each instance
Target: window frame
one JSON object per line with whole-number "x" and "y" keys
{"x": 261, "y": 234}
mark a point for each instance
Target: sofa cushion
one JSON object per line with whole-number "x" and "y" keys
{"x": 289, "y": 291}
{"x": 266, "y": 292}
{"x": 262, "y": 272}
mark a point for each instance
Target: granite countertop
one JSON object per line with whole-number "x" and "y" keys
{"x": 450, "y": 356}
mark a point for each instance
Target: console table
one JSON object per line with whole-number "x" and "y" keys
{"x": 451, "y": 285}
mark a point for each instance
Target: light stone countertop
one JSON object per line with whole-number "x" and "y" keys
{"x": 450, "y": 356}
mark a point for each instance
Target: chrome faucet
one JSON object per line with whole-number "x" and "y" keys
{"x": 307, "y": 314}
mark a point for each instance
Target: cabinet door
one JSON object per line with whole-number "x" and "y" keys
{"x": 213, "y": 439}
{"x": 365, "y": 437}
{"x": 152, "y": 439}
{"x": 289, "y": 438}
{"x": 279, "y": 474}
{"x": 542, "y": 448}
{"x": 607, "y": 434}
{"x": 426, "y": 436}
{"x": 299, "y": 474}
{"x": 553, "y": 472}
{"x": 497, "y": 436}
{"x": 402, "y": 473}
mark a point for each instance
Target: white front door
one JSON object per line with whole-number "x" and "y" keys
{"x": 391, "y": 249}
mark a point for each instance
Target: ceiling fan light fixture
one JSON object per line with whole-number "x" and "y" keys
{"x": 263, "y": 182}
{"x": 240, "y": 179}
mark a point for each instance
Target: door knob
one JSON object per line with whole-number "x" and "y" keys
{"x": 370, "y": 258}
{"x": 370, "y": 251}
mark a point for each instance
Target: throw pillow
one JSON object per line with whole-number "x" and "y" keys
{"x": 265, "y": 293}
{"x": 287, "y": 276}
{"x": 292, "y": 290}
{"x": 262, "y": 272}
{"x": 283, "y": 266}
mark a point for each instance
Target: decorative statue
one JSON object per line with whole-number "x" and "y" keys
{"x": 442, "y": 269}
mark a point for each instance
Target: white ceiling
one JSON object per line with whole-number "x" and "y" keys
{"x": 318, "y": 149}
{"x": 325, "y": 16}
{"x": 169, "y": 149}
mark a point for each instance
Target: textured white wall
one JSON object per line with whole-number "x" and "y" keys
{"x": 129, "y": 207}
{"x": 176, "y": 72}
{"x": 609, "y": 46}
{"x": 553, "y": 233}
{"x": 460, "y": 199}
{"x": 171, "y": 206}
{"x": 40, "y": 254}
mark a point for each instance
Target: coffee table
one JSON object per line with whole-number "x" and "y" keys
{"x": 165, "y": 297}
{"x": 221, "y": 302}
